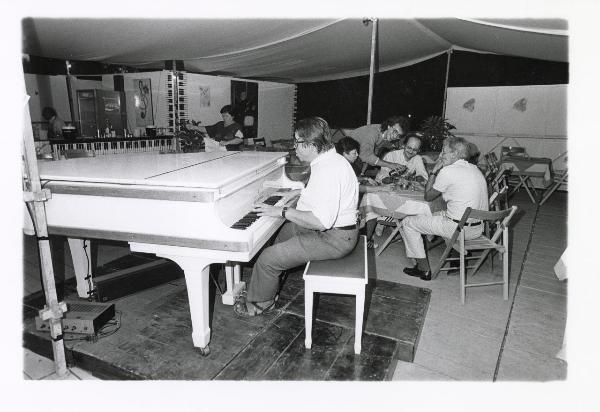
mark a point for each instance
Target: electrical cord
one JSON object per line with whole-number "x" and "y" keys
{"x": 88, "y": 277}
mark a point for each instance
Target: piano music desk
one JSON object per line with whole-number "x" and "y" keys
{"x": 179, "y": 206}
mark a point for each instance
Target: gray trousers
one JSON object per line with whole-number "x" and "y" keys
{"x": 294, "y": 246}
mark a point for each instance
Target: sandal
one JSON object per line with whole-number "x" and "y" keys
{"x": 371, "y": 244}
{"x": 249, "y": 309}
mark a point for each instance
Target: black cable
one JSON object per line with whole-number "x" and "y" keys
{"x": 36, "y": 234}
{"x": 102, "y": 334}
{"x": 35, "y": 230}
{"x": 87, "y": 274}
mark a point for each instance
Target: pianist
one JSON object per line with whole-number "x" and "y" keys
{"x": 322, "y": 225}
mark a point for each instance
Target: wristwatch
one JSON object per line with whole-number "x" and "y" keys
{"x": 283, "y": 211}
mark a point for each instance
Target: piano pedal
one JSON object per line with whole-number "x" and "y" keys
{"x": 216, "y": 279}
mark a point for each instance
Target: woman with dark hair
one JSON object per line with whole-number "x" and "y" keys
{"x": 227, "y": 132}
{"x": 348, "y": 147}
{"x": 321, "y": 226}
{"x": 55, "y": 123}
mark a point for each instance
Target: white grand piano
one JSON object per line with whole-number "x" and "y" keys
{"x": 178, "y": 206}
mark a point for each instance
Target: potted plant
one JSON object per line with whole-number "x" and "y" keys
{"x": 435, "y": 129}
{"x": 190, "y": 140}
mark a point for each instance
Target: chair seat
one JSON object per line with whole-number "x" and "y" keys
{"x": 350, "y": 266}
{"x": 482, "y": 242}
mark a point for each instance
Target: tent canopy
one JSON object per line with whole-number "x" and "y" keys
{"x": 290, "y": 50}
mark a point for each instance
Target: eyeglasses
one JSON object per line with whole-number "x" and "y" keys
{"x": 411, "y": 149}
{"x": 297, "y": 142}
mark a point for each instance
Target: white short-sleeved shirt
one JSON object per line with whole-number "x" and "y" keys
{"x": 414, "y": 165}
{"x": 462, "y": 185}
{"x": 332, "y": 191}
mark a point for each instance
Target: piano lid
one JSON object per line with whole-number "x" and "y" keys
{"x": 195, "y": 170}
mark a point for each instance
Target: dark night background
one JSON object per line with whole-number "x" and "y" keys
{"x": 418, "y": 90}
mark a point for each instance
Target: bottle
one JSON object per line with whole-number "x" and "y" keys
{"x": 107, "y": 128}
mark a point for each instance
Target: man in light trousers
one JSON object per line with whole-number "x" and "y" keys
{"x": 462, "y": 185}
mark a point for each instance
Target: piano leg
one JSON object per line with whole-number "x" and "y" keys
{"x": 234, "y": 286}
{"x": 196, "y": 267}
{"x": 82, "y": 264}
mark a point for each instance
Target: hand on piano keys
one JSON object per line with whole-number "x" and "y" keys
{"x": 270, "y": 206}
{"x": 262, "y": 209}
{"x": 273, "y": 205}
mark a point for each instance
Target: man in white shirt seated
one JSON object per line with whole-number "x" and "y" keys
{"x": 411, "y": 163}
{"x": 322, "y": 226}
{"x": 408, "y": 158}
{"x": 462, "y": 185}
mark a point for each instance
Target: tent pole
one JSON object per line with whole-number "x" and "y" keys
{"x": 449, "y": 53}
{"x": 35, "y": 196}
{"x": 372, "y": 69}
{"x": 70, "y": 93}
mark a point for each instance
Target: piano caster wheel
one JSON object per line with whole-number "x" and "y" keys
{"x": 205, "y": 351}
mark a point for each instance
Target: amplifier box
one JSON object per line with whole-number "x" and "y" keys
{"x": 82, "y": 317}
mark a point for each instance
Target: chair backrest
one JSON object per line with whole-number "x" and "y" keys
{"x": 75, "y": 153}
{"x": 493, "y": 200}
{"x": 492, "y": 163}
{"x": 501, "y": 218}
{"x": 485, "y": 216}
{"x": 498, "y": 182}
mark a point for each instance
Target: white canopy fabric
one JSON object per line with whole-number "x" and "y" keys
{"x": 290, "y": 50}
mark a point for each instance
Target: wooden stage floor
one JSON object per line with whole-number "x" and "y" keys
{"x": 154, "y": 338}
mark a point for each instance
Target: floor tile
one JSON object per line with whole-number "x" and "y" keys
{"x": 450, "y": 367}
{"x": 36, "y": 366}
{"x": 524, "y": 366}
{"x": 82, "y": 374}
{"x": 407, "y": 371}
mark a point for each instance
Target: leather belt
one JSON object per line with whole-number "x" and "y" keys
{"x": 349, "y": 227}
{"x": 466, "y": 224}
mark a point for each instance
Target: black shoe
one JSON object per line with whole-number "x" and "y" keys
{"x": 414, "y": 271}
{"x": 417, "y": 273}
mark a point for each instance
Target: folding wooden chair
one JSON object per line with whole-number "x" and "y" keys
{"x": 485, "y": 244}
{"x": 499, "y": 184}
{"x": 559, "y": 179}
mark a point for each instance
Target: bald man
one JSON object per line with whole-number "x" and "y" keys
{"x": 408, "y": 158}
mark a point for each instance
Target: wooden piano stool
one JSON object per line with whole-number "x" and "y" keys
{"x": 347, "y": 276}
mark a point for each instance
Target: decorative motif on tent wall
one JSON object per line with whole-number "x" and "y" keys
{"x": 143, "y": 102}
{"x": 204, "y": 94}
{"x": 520, "y": 105}
{"x": 469, "y": 105}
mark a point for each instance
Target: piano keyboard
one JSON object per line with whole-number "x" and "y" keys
{"x": 251, "y": 217}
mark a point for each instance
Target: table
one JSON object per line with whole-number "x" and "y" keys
{"x": 385, "y": 200}
{"x": 528, "y": 169}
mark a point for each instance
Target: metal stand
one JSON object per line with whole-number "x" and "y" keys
{"x": 34, "y": 196}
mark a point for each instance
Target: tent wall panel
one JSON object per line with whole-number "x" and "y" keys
{"x": 276, "y": 108}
